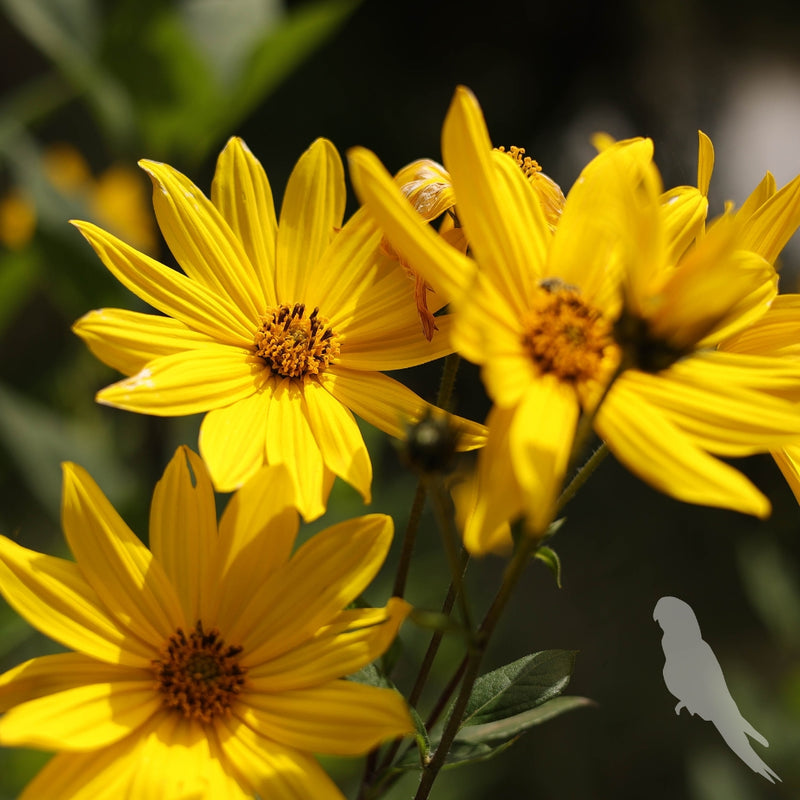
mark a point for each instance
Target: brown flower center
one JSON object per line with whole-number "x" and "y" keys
{"x": 294, "y": 345}
{"x": 528, "y": 165}
{"x": 199, "y": 675}
{"x": 565, "y": 336}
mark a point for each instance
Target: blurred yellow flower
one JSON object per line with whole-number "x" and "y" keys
{"x": 554, "y": 317}
{"x": 17, "y": 220}
{"x": 116, "y": 198}
{"x": 279, "y": 331}
{"x": 210, "y": 665}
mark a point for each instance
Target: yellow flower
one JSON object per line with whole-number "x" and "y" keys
{"x": 279, "y": 331}
{"x": 777, "y": 335}
{"x": 429, "y": 189}
{"x": 209, "y": 666}
{"x": 542, "y": 316}
{"x": 767, "y": 219}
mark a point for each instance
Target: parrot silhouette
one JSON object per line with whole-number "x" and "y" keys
{"x": 693, "y": 674}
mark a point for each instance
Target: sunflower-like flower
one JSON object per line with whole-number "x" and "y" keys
{"x": 279, "y": 329}
{"x": 210, "y": 665}
{"x": 597, "y": 310}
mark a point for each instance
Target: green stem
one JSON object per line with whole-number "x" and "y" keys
{"x": 447, "y": 693}
{"x": 444, "y": 397}
{"x": 514, "y": 570}
{"x": 583, "y": 475}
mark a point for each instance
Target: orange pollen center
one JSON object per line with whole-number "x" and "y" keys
{"x": 199, "y": 675}
{"x": 294, "y": 345}
{"x": 525, "y": 163}
{"x": 564, "y": 336}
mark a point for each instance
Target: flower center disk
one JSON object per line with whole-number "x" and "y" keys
{"x": 293, "y": 345}
{"x": 565, "y": 336}
{"x": 199, "y": 675}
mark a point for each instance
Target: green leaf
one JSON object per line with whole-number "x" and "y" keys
{"x": 272, "y": 59}
{"x": 550, "y": 558}
{"x": 187, "y": 98}
{"x": 421, "y": 737}
{"x": 67, "y": 32}
{"x": 481, "y": 742}
{"x": 512, "y": 727}
{"x": 371, "y": 675}
{"x": 520, "y": 686}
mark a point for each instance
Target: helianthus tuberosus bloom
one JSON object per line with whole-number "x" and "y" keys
{"x": 278, "y": 329}
{"x": 542, "y": 313}
{"x": 209, "y": 666}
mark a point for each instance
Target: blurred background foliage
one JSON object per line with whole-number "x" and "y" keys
{"x": 89, "y": 87}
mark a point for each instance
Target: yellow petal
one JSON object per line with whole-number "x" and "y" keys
{"x": 683, "y": 212}
{"x": 347, "y": 268}
{"x": 390, "y": 406}
{"x": 181, "y": 760}
{"x": 56, "y": 673}
{"x": 202, "y": 241}
{"x": 788, "y": 461}
{"x": 714, "y": 292}
{"x": 449, "y": 272}
{"x": 772, "y": 334}
{"x": 610, "y": 225}
{"x": 97, "y": 775}
{"x": 765, "y": 189}
{"x": 327, "y": 572}
{"x": 183, "y": 529}
{"x": 725, "y": 417}
{"x": 312, "y": 211}
{"x": 705, "y": 162}
{"x": 82, "y": 718}
{"x": 257, "y": 533}
{"x": 737, "y": 371}
{"x": 128, "y": 340}
{"x": 768, "y": 229}
{"x": 338, "y": 437}
{"x": 499, "y": 210}
{"x": 169, "y": 291}
{"x": 468, "y": 504}
{"x": 130, "y": 582}
{"x": 272, "y": 770}
{"x": 242, "y": 193}
{"x": 53, "y": 596}
{"x": 233, "y": 439}
{"x": 291, "y": 441}
{"x": 540, "y": 443}
{"x": 356, "y": 639}
{"x": 489, "y": 332}
{"x": 378, "y": 349}
{"x": 660, "y": 454}
{"x": 342, "y": 718}
{"x": 187, "y": 382}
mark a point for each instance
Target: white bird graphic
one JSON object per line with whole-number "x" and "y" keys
{"x": 693, "y": 674}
